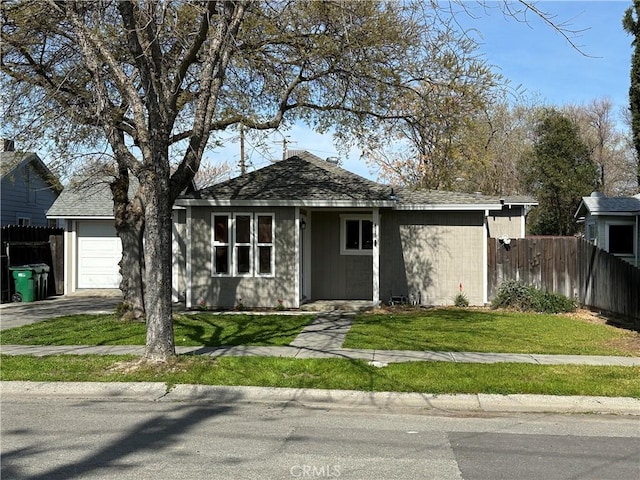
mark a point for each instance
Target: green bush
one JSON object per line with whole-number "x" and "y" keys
{"x": 461, "y": 300}
{"x": 523, "y": 297}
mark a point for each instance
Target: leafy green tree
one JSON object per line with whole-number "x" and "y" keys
{"x": 631, "y": 23}
{"x": 558, "y": 173}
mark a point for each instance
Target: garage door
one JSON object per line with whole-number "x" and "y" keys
{"x": 99, "y": 252}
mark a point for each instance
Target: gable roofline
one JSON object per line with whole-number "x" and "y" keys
{"x": 305, "y": 180}
{"x": 598, "y": 204}
{"x": 12, "y": 161}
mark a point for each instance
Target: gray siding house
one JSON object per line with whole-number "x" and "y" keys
{"x": 613, "y": 224}
{"x": 28, "y": 188}
{"x": 304, "y": 229}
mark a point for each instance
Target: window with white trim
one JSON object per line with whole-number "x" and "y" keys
{"x": 591, "y": 232}
{"x": 243, "y": 244}
{"x": 356, "y": 235}
{"x": 264, "y": 245}
{"x": 221, "y": 242}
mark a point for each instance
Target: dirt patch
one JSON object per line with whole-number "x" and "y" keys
{"x": 629, "y": 342}
{"x": 175, "y": 365}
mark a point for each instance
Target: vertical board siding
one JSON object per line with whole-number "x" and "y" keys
{"x": 569, "y": 266}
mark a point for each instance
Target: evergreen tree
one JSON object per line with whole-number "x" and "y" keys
{"x": 631, "y": 24}
{"x": 558, "y": 174}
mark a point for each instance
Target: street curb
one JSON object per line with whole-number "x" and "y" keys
{"x": 158, "y": 391}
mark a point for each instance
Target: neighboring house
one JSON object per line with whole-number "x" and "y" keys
{"x": 93, "y": 249}
{"x": 28, "y": 188}
{"x": 612, "y": 223}
{"x": 304, "y": 229}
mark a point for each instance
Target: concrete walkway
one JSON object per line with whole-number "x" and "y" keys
{"x": 322, "y": 338}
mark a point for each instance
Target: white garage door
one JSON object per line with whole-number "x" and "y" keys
{"x": 99, "y": 251}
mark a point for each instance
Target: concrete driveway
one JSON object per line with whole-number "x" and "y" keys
{"x": 84, "y": 301}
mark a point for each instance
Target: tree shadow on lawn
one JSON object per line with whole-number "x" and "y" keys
{"x": 215, "y": 331}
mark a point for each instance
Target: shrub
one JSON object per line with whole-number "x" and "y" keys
{"x": 519, "y": 296}
{"x": 461, "y": 300}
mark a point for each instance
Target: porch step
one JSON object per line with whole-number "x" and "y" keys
{"x": 338, "y": 305}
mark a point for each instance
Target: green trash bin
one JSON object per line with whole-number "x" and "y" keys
{"x": 41, "y": 271}
{"x": 25, "y": 281}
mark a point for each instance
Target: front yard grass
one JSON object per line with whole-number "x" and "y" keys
{"x": 471, "y": 330}
{"x": 197, "y": 329}
{"x": 422, "y": 377}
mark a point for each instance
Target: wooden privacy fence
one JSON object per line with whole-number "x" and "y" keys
{"x": 570, "y": 266}
{"x": 24, "y": 245}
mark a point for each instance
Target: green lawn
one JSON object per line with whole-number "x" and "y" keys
{"x": 424, "y": 377}
{"x": 462, "y": 330}
{"x": 189, "y": 330}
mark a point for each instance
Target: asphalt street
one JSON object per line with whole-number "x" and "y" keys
{"x": 73, "y": 438}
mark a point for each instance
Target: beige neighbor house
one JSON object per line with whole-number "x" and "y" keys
{"x": 304, "y": 229}
{"x": 613, "y": 224}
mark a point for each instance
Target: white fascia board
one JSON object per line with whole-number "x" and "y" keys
{"x": 81, "y": 217}
{"x": 615, "y": 214}
{"x": 450, "y": 207}
{"x": 287, "y": 203}
{"x": 521, "y": 204}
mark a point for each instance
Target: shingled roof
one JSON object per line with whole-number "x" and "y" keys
{"x": 303, "y": 177}
{"x": 599, "y": 204}
{"x": 87, "y": 198}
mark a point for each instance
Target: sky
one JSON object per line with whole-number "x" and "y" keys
{"x": 533, "y": 56}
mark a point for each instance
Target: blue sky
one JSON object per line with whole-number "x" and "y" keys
{"x": 533, "y": 56}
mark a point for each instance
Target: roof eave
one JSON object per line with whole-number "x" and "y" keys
{"x": 449, "y": 206}
{"x": 630, "y": 213}
{"x": 190, "y": 202}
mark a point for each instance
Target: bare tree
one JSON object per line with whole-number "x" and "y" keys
{"x": 152, "y": 78}
{"x": 608, "y": 144}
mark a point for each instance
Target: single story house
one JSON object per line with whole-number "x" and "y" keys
{"x": 304, "y": 229}
{"x": 613, "y": 224}
{"x": 28, "y": 188}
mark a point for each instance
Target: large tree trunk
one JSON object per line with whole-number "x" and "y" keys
{"x": 129, "y": 223}
{"x": 132, "y": 271}
{"x": 160, "y": 345}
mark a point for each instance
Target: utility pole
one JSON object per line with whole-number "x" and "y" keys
{"x": 285, "y": 142}
{"x": 284, "y": 148}
{"x": 243, "y": 167}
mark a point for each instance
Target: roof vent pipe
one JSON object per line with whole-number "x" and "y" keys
{"x": 8, "y": 145}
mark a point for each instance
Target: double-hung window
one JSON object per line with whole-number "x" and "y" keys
{"x": 221, "y": 242}
{"x": 264, "y": 245}
{"x": 356, "y": 235}
{"x": 243, "y": 244}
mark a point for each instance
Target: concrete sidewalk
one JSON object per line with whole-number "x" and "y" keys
{"x": 323, "y": 338}
{"x": 378, "y": 357}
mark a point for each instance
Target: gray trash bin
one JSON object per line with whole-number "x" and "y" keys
{"x": 42, "y": 271}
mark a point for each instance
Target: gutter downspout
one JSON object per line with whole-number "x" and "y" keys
{"x": 485, "y": 259}
{"x": 636, "y": 233}
{"x": 188, "y": 272}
